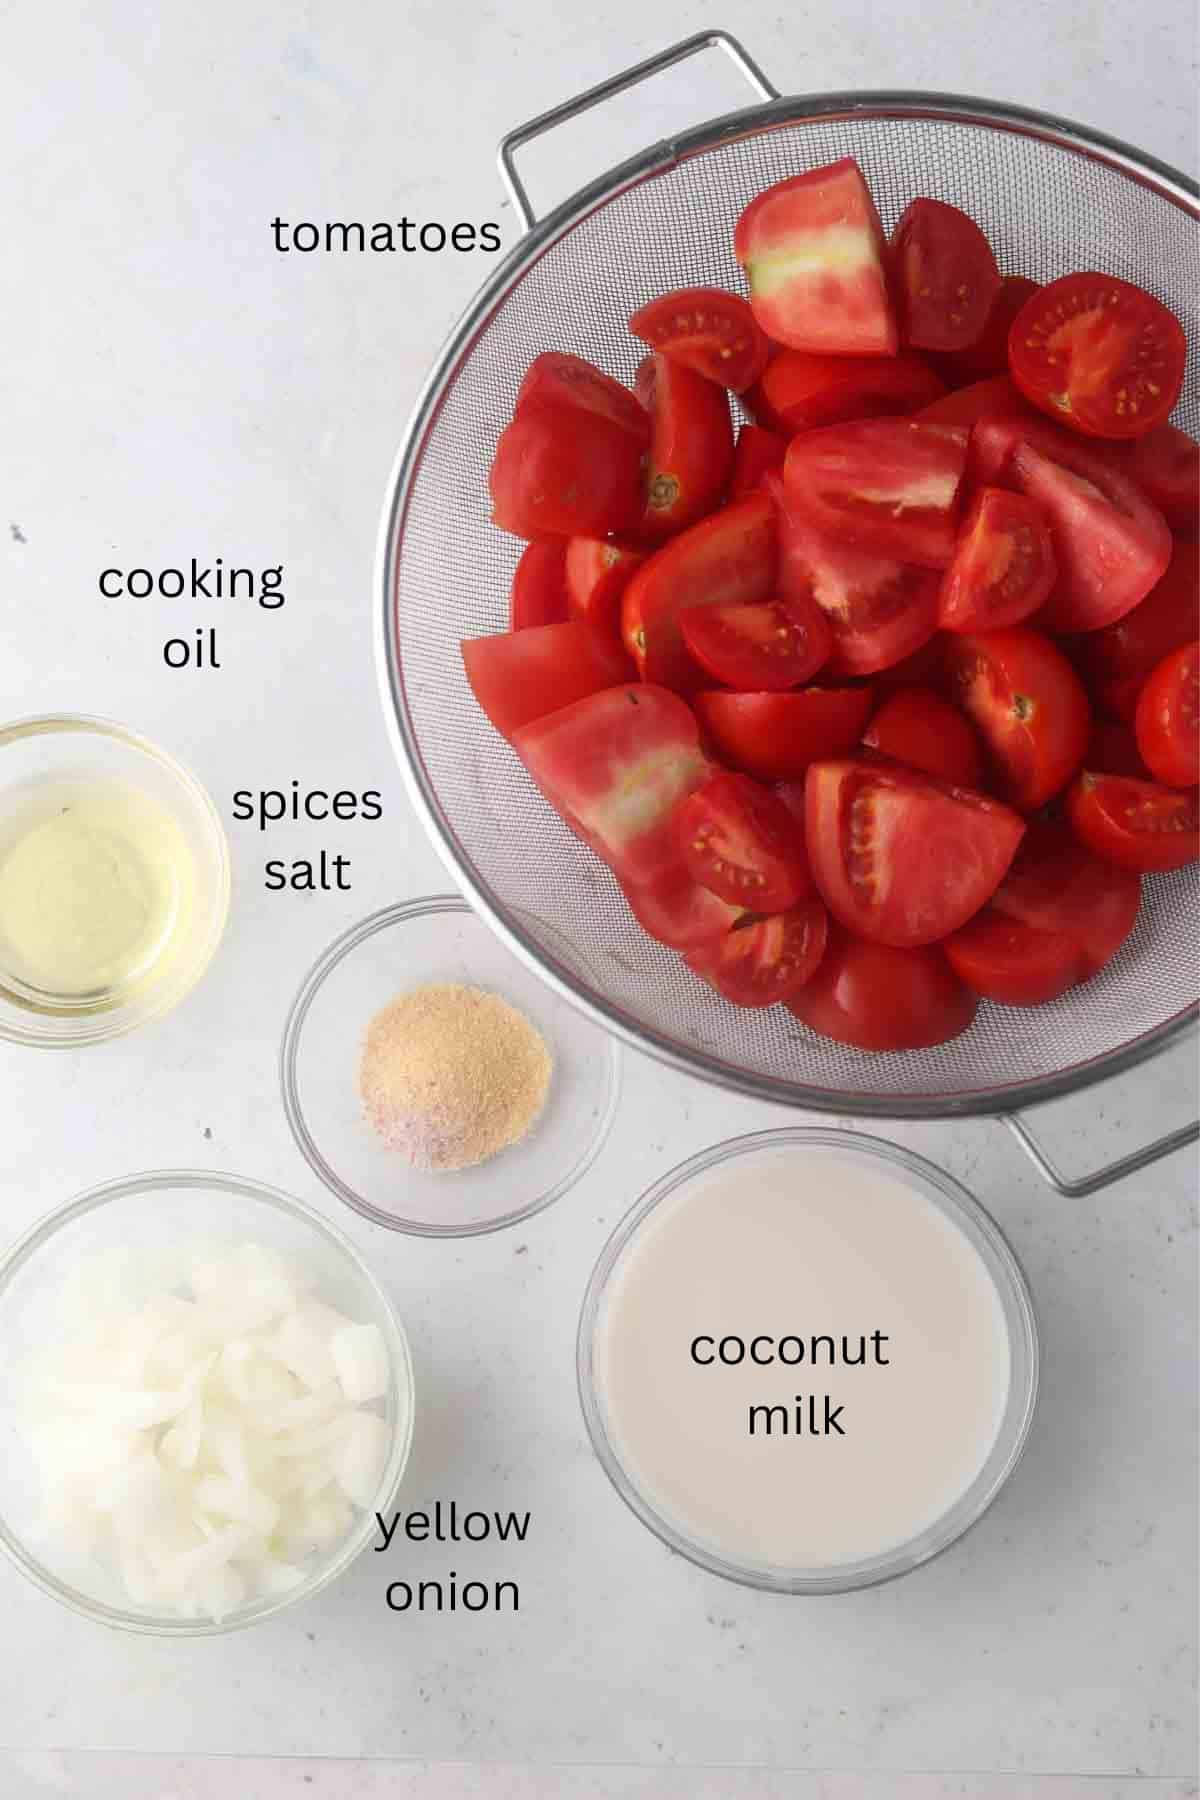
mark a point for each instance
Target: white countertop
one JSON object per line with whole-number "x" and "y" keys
{"x": 173, "y": 387}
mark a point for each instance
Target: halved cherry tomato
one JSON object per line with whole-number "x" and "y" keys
{"x": 1011, "y": 963}
{"x": 1098, "y": 354}
{"x": 679, "y": 912}
{"x": 997, "y": 398}
{"x": 558, "y": 379}
{"x": 539, "y": 588}
{"x": 798, "y": 390}
{"x": 767, "y": 960}
{"x": 707, "y": 330}
{"x": 616, "y": 765}
{"x": 944, "y": 276}
{"x": 517, "y": 676}
{"x": 1165, "y": 464}
{"x": 1168, "y": 719}
{"x": 879, "y": 998}
{"x": 597, "y": 572}
{"x": 756, "y": 453}
{"x": 768, "y": 646}
{"x": 900, "y": 858}
{"x": 561, "y": 469}
{"x": 1135, "y": 824}
{"x": 1110, "y": 544}
{"x": 726, "y": 560}
{"x": 691, "y": 449}
{"x": 879, "y": 610}
{"x": 988, "y": 354}
{"x": 1029, "y": 706}
{"x": 775, "y": 736}
{"x": 1133, "y": 644}
{"x": 1113, "y": 750}
{"x": 888, "y": 486}
{"x": 917, "y": 727}
{"x": 813, "y": 251}
{"x": 1003, "y": 567}
{"x": 737, "y": 838}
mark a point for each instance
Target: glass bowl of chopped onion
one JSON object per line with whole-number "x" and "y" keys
{"x": 205, "y": 1397}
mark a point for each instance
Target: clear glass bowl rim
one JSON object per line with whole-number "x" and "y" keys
{"x": 21, "y": 1254}
{"x": 985, "y": 1236}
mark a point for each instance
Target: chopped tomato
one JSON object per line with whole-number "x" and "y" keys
{"x": 1098, "y": 354}
{"x": 561, "y": 469}
{"x": 1029, "y": 706}
{"x": 764, "y": 961}
{"x": 1113, "y": 750}
{"x": 1135, "y": 824}
{"x": 944, "y": 276}
{"x": 798, "y": 390}
{"x": 521, "y": 675}
{"x": 775, "y": 736}
{"x": 879, "y": 998}
{"x": 916, "y": 726}
{"x": 900, "y": 858}
{"x": 691, "y": 449}
{"x": 878, "y": 610}
{"x": 615, "y": 766}
{"x": 1168, "y": 719}
{"x": 756, "y": 453}
{"x": 597, "y": 572}
{"x": 770, "y": 645}
{"x": 726, "y": 560}
{"x": 539, "y": 589}
{"x": 996, "y": 398}
{"x": 1003, "y": 567}
{"x": 813, "y": 251}
{"x": 558, "y": 379}
{"x": 888, "y": 486}
{"x": 988, "y": 354}
{"x": 1110, "y": 544}
{"x": 1165, "y": 464}
{"x": 707, "y": 330}
{"x": 679, "y": 912}
{"x": 740, "y": 840}
{"x": 1165, "y": 619}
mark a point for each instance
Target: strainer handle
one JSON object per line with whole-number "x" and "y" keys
{"x": 616, "y": 84}
{"x": 1082, "y": 1185}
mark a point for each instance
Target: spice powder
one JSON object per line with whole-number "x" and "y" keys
{"x": 451, "y": 1075}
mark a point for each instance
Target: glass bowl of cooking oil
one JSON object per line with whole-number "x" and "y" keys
{"x": 114, "y": 881}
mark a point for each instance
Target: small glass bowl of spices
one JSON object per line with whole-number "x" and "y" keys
{"x": 437, "y": 1085}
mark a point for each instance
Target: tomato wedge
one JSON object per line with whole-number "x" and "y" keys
{"x": 561, "y": 469}
{"x": 1168, "y": 719}
{"x": 1029, "y": 706}
{"x": 764, "y": 961}
{"x": 757, "y": 453}
{"x": 738, "y": 839}
{"x": 879, "y": 998}
{"x": 888, "y": 486}
{"x": 691, "y": 449}
{"x": 1098, "y": 354}
{"x": 680, "y": 913}
{"x": 1135, "y": 824}
{"x": 996, "y": 398}
{"x": 916, "y": 726}
{"x": 768, "y": 646}
{"x": 726, "y": 560}
{"x": 944, "y": 276}
{"x": 988, "y": 354}
{"x": 775, "y": 736}
{"x": 558, "y": 379}
{"x": 1165, "y": 464}
{"x": 596, "y": 573}
{"x": 813, "y": 251}
{"x": 517, "y": 676}
{"x": 707, "y": 330}
{"x": 1164, "y": 620}
{"x": 539, "y": 588}
{"x": 1003, "y": 568}
{"x": 798, "y": 390}
{"x": 900, "y": 858}
{"x": 1110, "y": 544}
{"x": 615, "y": 766}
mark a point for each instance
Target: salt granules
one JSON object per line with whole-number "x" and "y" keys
{"x": 452, "y": 1075}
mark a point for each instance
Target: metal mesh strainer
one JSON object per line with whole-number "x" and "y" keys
{"x": 1051, "y": 198}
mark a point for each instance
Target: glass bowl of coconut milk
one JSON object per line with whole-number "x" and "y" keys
{"x": 808, "y": 1360}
